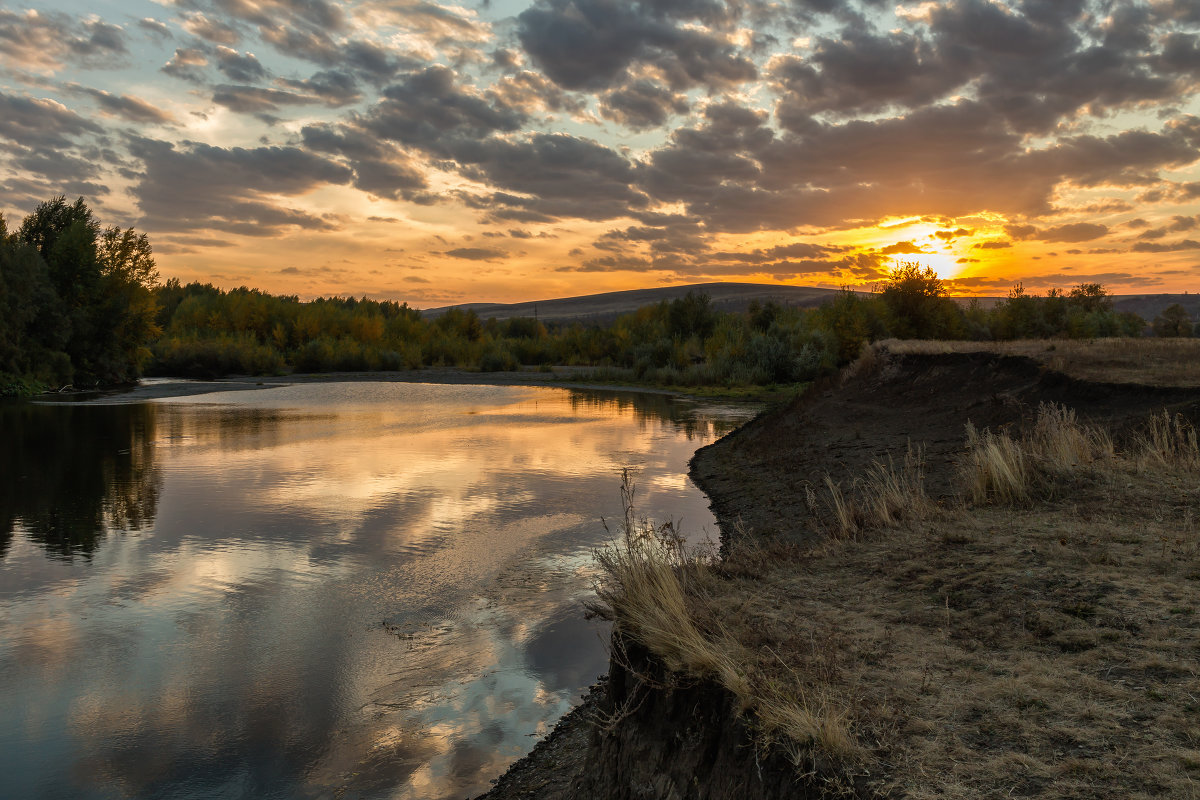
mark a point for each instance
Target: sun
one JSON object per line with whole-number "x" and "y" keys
{"x": 944, "y": 264}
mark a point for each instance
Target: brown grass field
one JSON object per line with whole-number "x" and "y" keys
{"x": 1003, "y": 606}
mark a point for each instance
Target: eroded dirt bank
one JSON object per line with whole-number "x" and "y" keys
{"x": 644, "y": 735}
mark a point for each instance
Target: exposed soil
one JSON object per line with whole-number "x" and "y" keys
{"x": 758, "y": 474}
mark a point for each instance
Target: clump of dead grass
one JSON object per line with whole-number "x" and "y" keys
{"x": 1006, "y": 470}
{"x": 651, "y": 588}
{"x": 882, "y": 498}
{"x": 996, "y": 469}
{"x": 1169, "y": 442}
{"x": 1001, "y": 469}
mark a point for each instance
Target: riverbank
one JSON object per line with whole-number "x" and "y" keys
{"x": 896, "y": 621}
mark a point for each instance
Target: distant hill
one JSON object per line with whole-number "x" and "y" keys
{"x": 601, "y": 308}
{"x": 609, "y": 305}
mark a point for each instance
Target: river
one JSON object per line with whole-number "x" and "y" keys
{"x": 350, "y": 590}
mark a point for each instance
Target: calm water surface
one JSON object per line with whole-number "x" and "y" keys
{"x": 321, "y": 590}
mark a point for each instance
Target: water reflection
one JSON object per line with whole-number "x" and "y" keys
{"x": 369, "y": 590}
{"x": 73, "y": 474}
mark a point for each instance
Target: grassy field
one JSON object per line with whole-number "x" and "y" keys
{"x": 1030, "y": 629}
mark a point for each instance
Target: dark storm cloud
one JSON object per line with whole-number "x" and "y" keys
{"x": 228, "y": 189}
{"x": 37, "y": 40}
{"x": 642, "y": 104}
{"x": 588, "y": 44}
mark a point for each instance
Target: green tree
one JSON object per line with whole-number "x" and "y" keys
{"x": 691, "y": 315}
{"x": 918, "y": 306}
{"x": 102, "y": 283}
{"x": 1173, "y": 321}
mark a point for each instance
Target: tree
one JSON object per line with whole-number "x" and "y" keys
{"x": 1173, "y": 321}
{"x": 103, "y": 306}
{"x": 918, "y": 306}
{"x": 691, "y": 315}
{"x": 1090, "y": 297}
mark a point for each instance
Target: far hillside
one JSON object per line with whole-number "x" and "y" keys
{"x": 605, "y": 307}
{"x": 737, "y": 297}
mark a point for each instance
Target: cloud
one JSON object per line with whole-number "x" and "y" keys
{"x": 127, "y": 107}
{"x": 39, "y": 122}
{"x": 211, "y": 30}
{"x": 187, "y": 64}
{"x": 642, "y": 104}
{"x": 229, "y": 189}
{"x": 901, "y": 248}
{"x": 1165, "y": 247}
{"x": 43, "y": 41}
{"x": 588, "y": 44}
{"x": 1074, "y": 232}
{"x": 239, "y": 67}
{"x": 476, "y": 253}
{"x": 380, "y": 168}
{"x": 158, "y": 28}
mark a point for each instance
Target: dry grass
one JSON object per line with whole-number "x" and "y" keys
{"x": 1042, "y": 646}
{"x": 1169, "y": 443}
{"x": 883, "y": 498}
{"x": 1001, "y": 469}
{"x": 995, "y": 469}
{"x": 652, "y": 587}
{"x": 1045, "y": 650}
{"x": 1152, "y": 361}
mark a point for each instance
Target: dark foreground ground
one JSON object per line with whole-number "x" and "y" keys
{"x": 1043, "y": 649}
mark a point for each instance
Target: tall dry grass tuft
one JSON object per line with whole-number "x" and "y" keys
{"x": 995, "y": 469}
{"x": 649, "y": 584}
{"x": 1060, "y": 442}
{"x": 1001, "y": 469}
{"x": 644, "y": 590}
{"x": 1169, "y": 442}
{"x": 884, "y": 497}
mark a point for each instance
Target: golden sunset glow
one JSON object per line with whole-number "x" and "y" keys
{"x": 441, "y": 153}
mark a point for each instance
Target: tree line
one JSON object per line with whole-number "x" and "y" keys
{"x": 77, "y": 301}
{"x": 81, "y": 305}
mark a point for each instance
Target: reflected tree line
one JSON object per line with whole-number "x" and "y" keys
{"x": 75, "y": 473}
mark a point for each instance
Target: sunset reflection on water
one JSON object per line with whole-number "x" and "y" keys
{"x": 363, "y": 587}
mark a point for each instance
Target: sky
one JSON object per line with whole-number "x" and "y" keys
{"x": 512, "y": 150}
